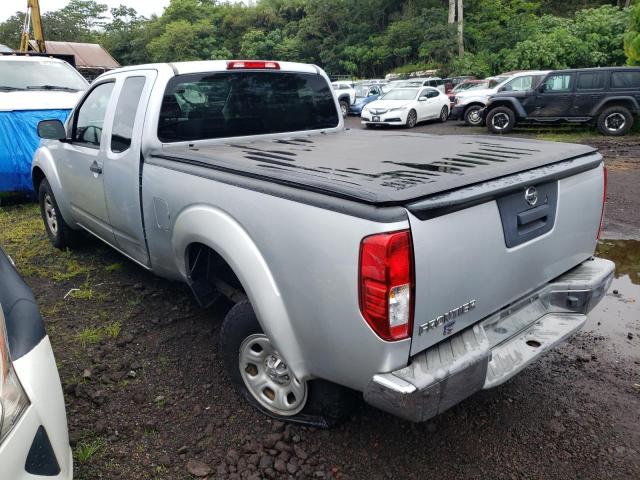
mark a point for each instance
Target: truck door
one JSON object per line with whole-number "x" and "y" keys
{"x": 124, "y": 163}
{"x": 82, "y": 165}
{"x": 589, "y": 92}
{"x": 555, "y": 96}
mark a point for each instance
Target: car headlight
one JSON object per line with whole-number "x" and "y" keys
{"x": 13, "y": 400}
{"x": 398, "y": 109}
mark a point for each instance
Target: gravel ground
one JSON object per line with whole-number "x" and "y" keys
{"x": 147, "y": 396}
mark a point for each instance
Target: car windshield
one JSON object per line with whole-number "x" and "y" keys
{"x": 361, "y": 91}
{"x": 39, "y": 75}
{"x": 230, "y": 104}
{"x": 401, "y": 94}
{"x": 411, "y": 83}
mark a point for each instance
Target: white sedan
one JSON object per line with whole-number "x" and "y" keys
{"x": 407, "y": 107}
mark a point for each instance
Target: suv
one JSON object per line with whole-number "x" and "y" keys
{"x": 469, "y": 104}
{"x": 608, "y": 97}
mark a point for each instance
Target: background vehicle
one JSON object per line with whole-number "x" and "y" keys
{"x": 31, "y": 89}
{"x": 469, "y": 104}
{"x": 607, "y": 97}
{"x": 434, "y": 82}
{"x": 346, "y": 95}
{"x": 238, "y": 197}
{"x": 406, "y": 107}
{"x": 34, "y": 442}
{"x": 366, "y": 94}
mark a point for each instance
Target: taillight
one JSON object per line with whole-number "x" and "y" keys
{"x": 252, "y": 65}
{"x": 604, "y": 201}
{"x": 386, "y": 284}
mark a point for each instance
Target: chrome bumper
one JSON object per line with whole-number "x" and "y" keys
{"x": 493, "y": 350}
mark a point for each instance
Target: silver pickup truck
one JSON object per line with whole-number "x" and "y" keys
{"x": 411, "y": 268}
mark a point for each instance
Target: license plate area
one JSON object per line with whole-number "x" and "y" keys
{"x": 376, "y": 118}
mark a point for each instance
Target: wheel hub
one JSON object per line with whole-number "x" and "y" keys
{"x": 277, "y": 370}
{"x": 50, "y": 214}
{"x": 615, "y": 122}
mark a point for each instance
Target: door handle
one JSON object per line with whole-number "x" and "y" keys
{"x": 95, "y": 168}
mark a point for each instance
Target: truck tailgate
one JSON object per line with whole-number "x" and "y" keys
{"x": 479, "y": 249}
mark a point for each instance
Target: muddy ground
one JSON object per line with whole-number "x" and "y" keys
{"x": 147, "y": 396}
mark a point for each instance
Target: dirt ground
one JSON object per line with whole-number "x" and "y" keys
{"x": 147, "y": 396}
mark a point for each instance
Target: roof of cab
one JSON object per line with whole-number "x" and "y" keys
{"x": 200, "y": 66}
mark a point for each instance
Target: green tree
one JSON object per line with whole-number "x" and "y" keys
{"x": 632, "y": 37}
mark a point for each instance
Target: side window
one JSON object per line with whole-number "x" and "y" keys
{"x": 590, "y": 81}
{"x": 374, "y": 91}
{"x": 519, "y": 84}
{"x": 125, "y": 114}
{"x": 625, "y": 79}
{"x": 558, "y": 83}
{"x": 90, "y": 116}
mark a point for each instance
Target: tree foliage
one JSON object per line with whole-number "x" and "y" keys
{"x": 365, "y": 38}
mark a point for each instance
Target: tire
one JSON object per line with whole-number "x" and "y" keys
{"x": 60, "y": 234}
{"x": 472, "y": 116}
{"x": 412, "y": 119}
{"x": 320, "y": 403}
{"x": 444, "y": 114}
{"x": 501, "y": 120}
{"x": 615, "y": 121}
{"x": 344, "y": 108}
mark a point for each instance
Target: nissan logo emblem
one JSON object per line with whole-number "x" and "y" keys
{"x": 531, "y": 196}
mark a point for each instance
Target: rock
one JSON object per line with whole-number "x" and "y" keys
{"x": 300, "y": 453}
{"x": 271, "y": 439}
{"x": 183, "y": 449}
{"x": 100, "y": 427}
{"x": 254, "y": 459}
{"x": 221, "y": 470}
{"x": 266, "y": 461}
{"x": 74, "y": 437}
{"x": 232, "y": 457}
{"x": 280, "y": 466}
{"x": 198, "y": 468}
{"x": 277, "y": 426}
{"x": 124, "y": 340}
{"x": 630, "y": 336}
{"x": 296, "y": 439}
{"x": 319, "y": 474}
{"x": 282, "y": 447}
{"x": 285, "y": 456}
{"x": 138, "y": 398}
{"x": 292, "y": 468}
{"x": 164, "y": 460}
{"x": 86, "y": 374}
{"x": 132, "y": 374}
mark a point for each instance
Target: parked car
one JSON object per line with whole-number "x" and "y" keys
{"x": 406, "y": 107}
{"x": 31, "y": 89}
{"x": 414, "y": 269}
{"x": 469, "y": 104}
{"x": 434, "y": 82}
{"x": 366, "y": 94}
{"x": 469, "y": 85}
{"x": 34, "y": 442}
{"x": 346, "y": 94}
{"x": 606, "y": 97}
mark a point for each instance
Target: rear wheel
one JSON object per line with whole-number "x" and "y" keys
{"x": 261, "y": 375}
{"x": 344, "y": 108}
{"x": 412, "y": 119}
{"x": 59, "y": 233}
{"x": 615, "y": 121}
{"x": 444, "y": 114}
{"x": 472, "y": 116}
{"x": 501, "y": 120}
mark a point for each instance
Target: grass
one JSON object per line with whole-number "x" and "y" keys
{"x": 87, "y": 449}
{"x": 97, "y": 334}
{"x": 114, "y": 267}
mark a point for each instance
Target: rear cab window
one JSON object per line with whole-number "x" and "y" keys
{"x": 626, "y": 79}
{"x": 231, "y": 104}
{"x": 591, "y": 81}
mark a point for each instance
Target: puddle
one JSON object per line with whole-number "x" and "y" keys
{"x": 618, "y": 314}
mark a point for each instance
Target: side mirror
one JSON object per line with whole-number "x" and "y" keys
{"x": 51, "y": 130}
{"x": 422, "y": 99}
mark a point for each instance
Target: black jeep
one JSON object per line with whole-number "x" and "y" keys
{"x": 608, "y": 97}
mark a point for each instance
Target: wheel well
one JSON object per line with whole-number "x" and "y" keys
{"x": 500, "y": 104}
{"x": 628, "y": 104}
{"x": 473, "y": 104}
{"x": 210, "y": 276}
{"x": 36, "y": 178}
{"x": 344, "y": 98}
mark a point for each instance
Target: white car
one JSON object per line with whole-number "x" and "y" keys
{"x": 346, "y": 94}
{"x": 407, "y": 107}
{"x": 468, "y": 105}
{"x": 435, "y": 82}
{"x": 34, "y": 441}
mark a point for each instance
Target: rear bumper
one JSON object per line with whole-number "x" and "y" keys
{"x": 493, "y": 350}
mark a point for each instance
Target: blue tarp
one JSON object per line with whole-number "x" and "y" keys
{"x": 18, "y": 141}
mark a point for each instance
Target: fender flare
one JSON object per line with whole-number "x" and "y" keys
{"x": 345, "y": 97}
{"x": 43, "y": 160}
{"x": 219, "y": 231}
{"x": 618, "y": 98}
{"x": 510, "y": 102}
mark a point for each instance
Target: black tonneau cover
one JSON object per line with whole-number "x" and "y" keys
{"x": 381, "y": 168}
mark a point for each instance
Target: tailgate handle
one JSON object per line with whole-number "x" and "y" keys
{"x": 535, "y": 214}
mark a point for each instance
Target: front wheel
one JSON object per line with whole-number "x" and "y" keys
{"x": 472, "y": 116}
{"x": 344, "y": 108}
{"x": 261, "y": 375}
{"x": 444, "y": 114}
{"x": 501, "y": 120}
{"x": 59, "y": 233}
{"x": 615, "y": 121}
{"x": 412, "y": 119}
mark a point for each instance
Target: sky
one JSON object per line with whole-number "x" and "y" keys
{"x": 143, "y": 7}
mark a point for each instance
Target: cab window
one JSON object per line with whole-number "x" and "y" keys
{"x": 590, "y": 81}
{"x": 125, "y": 114}
{"x": 558, "y": 83}
{"x": 90, "y": 116}
{"x": 519, "y": 84}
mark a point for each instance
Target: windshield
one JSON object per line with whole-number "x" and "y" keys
{"x": 39, "y": 75}
{"x": 411, "y": 83}
{"x": 361, "y": 91}
{"x": 231, "y": 104}
{"x": 400, "y": 94}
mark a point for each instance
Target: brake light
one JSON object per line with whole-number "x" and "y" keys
{"x": 604, "y": 201}
{"x": 252, "y": 65}
{"x": 387, "y": 284}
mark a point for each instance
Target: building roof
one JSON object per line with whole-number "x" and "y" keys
{"x": 88, "y": 55}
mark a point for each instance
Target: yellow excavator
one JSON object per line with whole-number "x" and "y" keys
{"x": 33, "y": 17}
